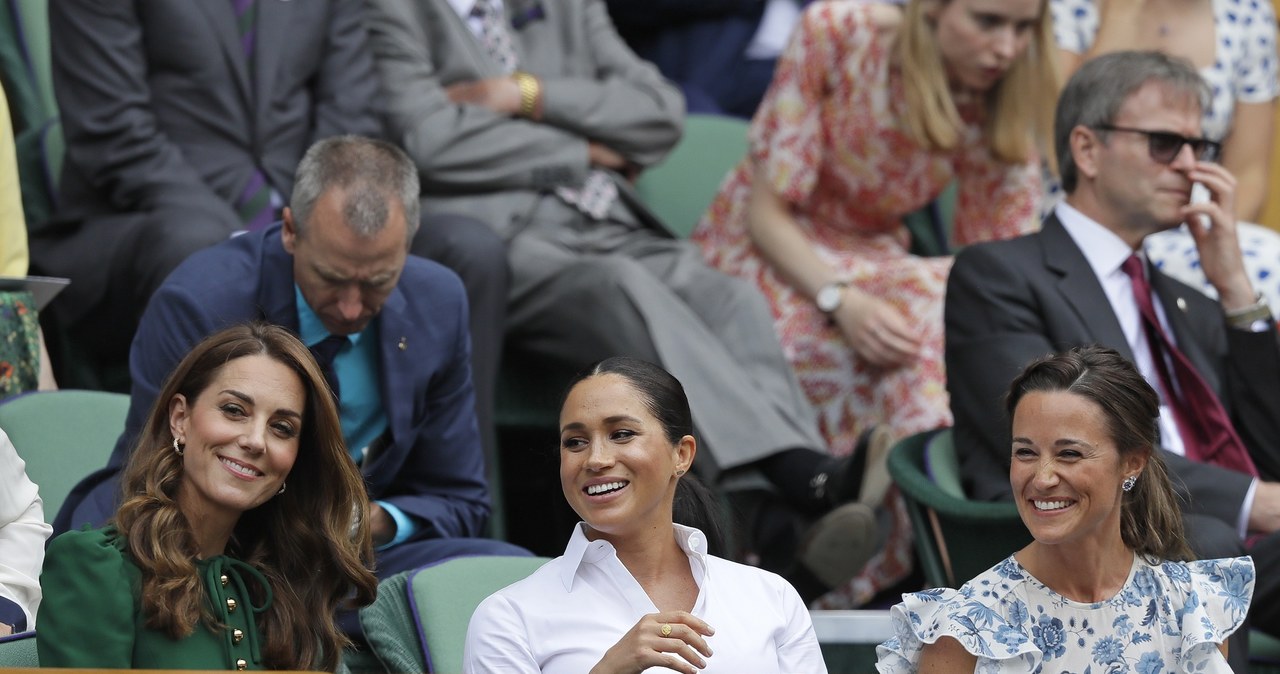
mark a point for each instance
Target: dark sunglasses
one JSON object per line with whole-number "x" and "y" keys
{"x": 1164, "y": 146}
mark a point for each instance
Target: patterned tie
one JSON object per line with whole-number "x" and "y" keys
{"x": 1206, "y": 429}
{"x": 494, "y": 34}
{"x": 325, "y": 351}
{"x": 254, "y": 205}
{"x": 598, "y": 191}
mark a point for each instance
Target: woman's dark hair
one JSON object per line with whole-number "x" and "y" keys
{"x": 1150, "y": 515}
{"x": 312, "y": 542}
{"x": 664, "y": 397}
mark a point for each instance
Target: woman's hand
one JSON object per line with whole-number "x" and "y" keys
{"x": 876, "y": 330}
{"x": 673, "y": 639}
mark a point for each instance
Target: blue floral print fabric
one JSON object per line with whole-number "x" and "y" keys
{"x": 1169, "y": 617}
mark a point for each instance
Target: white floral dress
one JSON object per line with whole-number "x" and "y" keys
{"x": 1169, "y": 617}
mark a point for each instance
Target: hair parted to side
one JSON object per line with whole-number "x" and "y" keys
{"x": 1150, "y": 514}
{"x": 302, "y": 541}
{"x": 372, "y": 172}
{"x": 1019, "y": 108}
{"x": 664, "y": 397}
{"x": 1095, "y": 93}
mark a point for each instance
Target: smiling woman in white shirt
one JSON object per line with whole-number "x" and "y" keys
{"x": 634, "y": 590}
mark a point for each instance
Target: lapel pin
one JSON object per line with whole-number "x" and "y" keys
{"x": 1182, "y": 305}
{"x": 404, "y": 343}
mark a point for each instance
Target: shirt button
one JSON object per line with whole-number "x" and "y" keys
{"x": 231, "y": 605}
{"x": 241, "y": 664}
{"x": 236, "y": 635}
{"x": 223, "y": 578}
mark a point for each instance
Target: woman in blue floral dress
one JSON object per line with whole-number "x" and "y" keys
{"x": 1106, "y": 585}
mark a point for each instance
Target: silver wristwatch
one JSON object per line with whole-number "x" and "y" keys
{"x": 830, "y": 296}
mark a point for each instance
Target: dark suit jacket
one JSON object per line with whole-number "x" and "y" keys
{"x": 161, "y": 109}
{"x": 1009, "y": 302}
{"x": 431, "y": 465}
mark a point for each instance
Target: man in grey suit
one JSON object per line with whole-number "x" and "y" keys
{"x": 532, "y": 115}
{"x": 1127, "y": 139}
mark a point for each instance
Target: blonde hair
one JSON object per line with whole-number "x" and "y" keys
{"x": 1019, "y": 120}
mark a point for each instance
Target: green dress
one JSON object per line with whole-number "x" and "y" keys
{"x": 91, "y": 615}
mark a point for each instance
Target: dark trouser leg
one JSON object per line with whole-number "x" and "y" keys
{"x": 477, "y": 255}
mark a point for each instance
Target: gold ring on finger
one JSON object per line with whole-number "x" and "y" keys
{"x": 665, "y": 630}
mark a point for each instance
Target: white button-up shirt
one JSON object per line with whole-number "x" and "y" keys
{"x": 565, "y": 616}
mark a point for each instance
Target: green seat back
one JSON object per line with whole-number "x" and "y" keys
{"x": 956, "y": 539}
{"x": 63, "y": 436}
{"x": 445, "y": 596}
{"x": 439, "y": 601}
{"x": 19, "y": 650}
{"x": 680, "y": 189}
{"x": 941, "y": 464}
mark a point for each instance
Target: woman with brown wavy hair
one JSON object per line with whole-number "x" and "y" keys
{"x": 238, "y": 536}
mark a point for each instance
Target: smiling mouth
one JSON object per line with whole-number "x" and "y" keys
{"x": 1050, "y": 505}
{"x": 240, "y": 468}
{"x": 605, "y": 488}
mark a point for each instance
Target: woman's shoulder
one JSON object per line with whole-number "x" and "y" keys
{"x": 102, "y": 543}
{"x": 1223, "y": 587}
{"x": 985, "y": 616}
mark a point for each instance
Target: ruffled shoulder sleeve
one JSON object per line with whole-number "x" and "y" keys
{"x": 982, "y": 615}
{"x": 1214, "y": 595}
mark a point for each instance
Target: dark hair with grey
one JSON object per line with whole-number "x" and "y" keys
{"x": 1150, "y": 516}
{"x": 371, "y": 171}
{"x": 1094, "y": 94}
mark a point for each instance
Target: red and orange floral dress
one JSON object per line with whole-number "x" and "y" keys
{"x": 829, "y": 141}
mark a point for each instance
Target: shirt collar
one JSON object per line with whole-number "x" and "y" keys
{"x": 583, "y": 551}
{"x": 310, "y": 329}
{"x": 464, "y": 7}
{"x": 1101, "y": 247}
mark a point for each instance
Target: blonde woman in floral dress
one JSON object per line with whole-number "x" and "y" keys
{"x": 874, "y": 109}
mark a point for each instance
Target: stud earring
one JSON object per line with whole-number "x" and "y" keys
{"x": 178, "y": 447}
{"x": 282, "y": 486}
{"x": 1128, "y": 483}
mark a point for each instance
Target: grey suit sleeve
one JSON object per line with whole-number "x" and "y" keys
{"x": 625, "y": 103}
{"x": 346, "y": 84}
{"x": 100, "y": 78}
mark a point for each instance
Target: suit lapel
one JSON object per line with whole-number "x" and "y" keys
{"x": 1080, "y": 287}
{"x": 277, "y": 299}
{"x": 222, "y": 19}
{"x": 396, "y": 351}
{"x": 273, "y": 25}
{"x": 1173, "y": 297}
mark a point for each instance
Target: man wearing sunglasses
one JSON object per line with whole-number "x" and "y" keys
{"x": 1127, "y": 140}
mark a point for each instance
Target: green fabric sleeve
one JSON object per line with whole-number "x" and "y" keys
{"x": 88, "y": 615}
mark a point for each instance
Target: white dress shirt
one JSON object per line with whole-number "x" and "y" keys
{"x": 22, "y": 533}
{"x": 1106, "y": 252}
{"x": 565, "y": 616}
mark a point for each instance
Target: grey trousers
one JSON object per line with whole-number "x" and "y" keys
{"x": 585, "y": 290}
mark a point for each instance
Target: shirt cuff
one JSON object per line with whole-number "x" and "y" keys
{"x": 11, "y": 614}
{"x": 1242, "y": 526}
{"x": 404, "y": 525}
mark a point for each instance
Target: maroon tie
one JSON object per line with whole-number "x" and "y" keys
{"x": 1207, "y": 433}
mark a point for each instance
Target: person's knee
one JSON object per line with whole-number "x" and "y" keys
{"x": 462, "y": 244}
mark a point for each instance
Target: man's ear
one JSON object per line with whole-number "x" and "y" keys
{"x": 1086, "y": 149}
{"x": 288, "y": 233}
